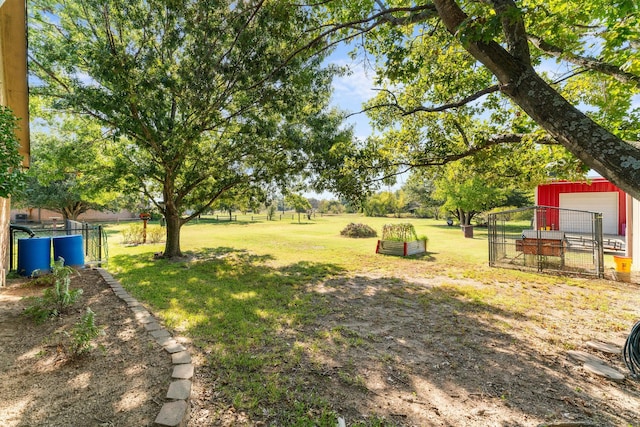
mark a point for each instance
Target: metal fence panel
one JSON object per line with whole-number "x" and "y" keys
{"x": 555, "y": 239}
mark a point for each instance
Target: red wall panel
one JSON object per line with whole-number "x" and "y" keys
{"x": 549, "y": 195}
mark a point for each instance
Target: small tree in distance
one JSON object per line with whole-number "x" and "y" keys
{"x": 465, "y": 193}
{"x": 11, "y": 178}
{"x": 69, "y": 172}
{"x": 300, "y": 203}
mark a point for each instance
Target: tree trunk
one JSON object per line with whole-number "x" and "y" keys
{"x": 466, "y": 218}
{"x": 613, "y": 158}
{"x": 172, "y": 244}
{"x": 459, "y": 213}
{"x": 596, "y": 147}
{"x": 174, "y": 223}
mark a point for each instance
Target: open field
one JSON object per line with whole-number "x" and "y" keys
{"x": 293, "y": 325}
{"x": 317, "y": 240}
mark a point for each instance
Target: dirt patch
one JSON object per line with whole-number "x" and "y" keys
{"x": 388, "y": 351}
{"x": 122, "y": 383}
{"x": 418, "y": 353}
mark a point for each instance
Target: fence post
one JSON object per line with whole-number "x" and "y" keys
{"x": 85, "y": 236}
{"x": 11, "y": 254}
{"x": 597, "y": 218}
{"x": 99, "y": 245}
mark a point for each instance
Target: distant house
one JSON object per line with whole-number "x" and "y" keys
{"x": 36, "y": 215}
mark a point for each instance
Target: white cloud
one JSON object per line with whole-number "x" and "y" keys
{"x": 351, "y": 90}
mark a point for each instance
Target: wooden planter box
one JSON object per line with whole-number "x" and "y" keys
{"x": 393, "y": 247}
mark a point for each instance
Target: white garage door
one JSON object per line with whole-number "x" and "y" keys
{"x": 603, "y": 202}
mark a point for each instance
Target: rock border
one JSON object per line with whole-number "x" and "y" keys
{"x": 175, "y": 411}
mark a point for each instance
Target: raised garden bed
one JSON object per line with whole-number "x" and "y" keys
{"x": 393, "y": 247}
{"x": 400, "y": 239}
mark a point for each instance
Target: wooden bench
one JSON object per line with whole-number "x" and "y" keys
{"x": 543, "y": 243}
{"x": 548, "y": 247}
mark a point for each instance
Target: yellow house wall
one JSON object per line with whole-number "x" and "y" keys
{"x": 14, "y": 94}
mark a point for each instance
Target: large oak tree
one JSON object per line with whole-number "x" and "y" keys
{"x": 200, "y": 97}
{"x": 456, "y": 76}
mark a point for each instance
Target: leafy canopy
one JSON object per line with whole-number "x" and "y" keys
{"x": 199, "y": 97}
{"x": 456, "y": 78}
{"x": 69, "y": 171}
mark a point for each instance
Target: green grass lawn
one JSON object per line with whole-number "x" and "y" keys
{"x": 242, "y": 296}
{"x": 318, "y": 240}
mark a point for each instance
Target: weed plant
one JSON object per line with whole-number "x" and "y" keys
{"x": 83, "y": 333}
{"x": 57, "y": 300}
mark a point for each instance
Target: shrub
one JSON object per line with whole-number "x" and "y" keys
{"x": 57, "y": 300}
{"x": 271, "y": 211}
{"x": 132, "y": 235}
{"x": 155, "y": 234}
{"x": 358, "y": 230}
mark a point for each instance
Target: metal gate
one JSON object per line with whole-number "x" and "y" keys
{"x": 544, "y": 238}
{"x": 94, "y": 239}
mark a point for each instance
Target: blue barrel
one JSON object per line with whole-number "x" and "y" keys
{"x": 34, "y": 254}
{"x": 70, "y": 248}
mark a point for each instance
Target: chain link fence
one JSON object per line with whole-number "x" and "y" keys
{"x": 553, "y": 239}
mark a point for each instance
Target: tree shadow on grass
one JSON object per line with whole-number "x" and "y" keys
{"x": 306, "y": 342}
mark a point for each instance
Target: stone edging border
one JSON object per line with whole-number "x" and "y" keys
{"x": 175, "y": 411}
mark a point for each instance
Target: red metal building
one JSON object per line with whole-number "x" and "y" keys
{"x": 597, "y": 195}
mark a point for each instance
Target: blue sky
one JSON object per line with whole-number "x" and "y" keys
{"x": 352, "y": 90}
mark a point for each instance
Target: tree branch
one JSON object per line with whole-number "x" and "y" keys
{"x": 585, "y": 61}
{"x": 472, "y": 149}
{"x": 513, "y": 29}
{"x": 414, "y": 14}
{"x": 440, "y": 108}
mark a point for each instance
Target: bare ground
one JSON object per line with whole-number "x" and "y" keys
{"x": 400, "y": 350}
{"x": 416, "y": 353}
{"x": 122, "y": 383}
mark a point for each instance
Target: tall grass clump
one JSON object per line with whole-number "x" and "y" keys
{"x": 405, "y": 232}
